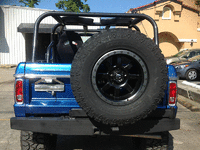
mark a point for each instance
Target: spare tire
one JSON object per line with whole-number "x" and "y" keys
{"x": 118, "y": 76}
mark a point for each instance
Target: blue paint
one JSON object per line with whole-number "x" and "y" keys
{"x": 37, "y": 102}
{"x": 171, "y": 72}
{"x": 47, "y": 68}
{"x": 20, "y": 69}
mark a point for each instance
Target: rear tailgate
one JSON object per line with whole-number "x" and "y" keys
{"x": 47, "y": 89}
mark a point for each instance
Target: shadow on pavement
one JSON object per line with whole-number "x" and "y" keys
{"x": 100, "y": 142}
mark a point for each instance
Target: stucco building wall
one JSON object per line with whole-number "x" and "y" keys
{"x": 177, "y": 33}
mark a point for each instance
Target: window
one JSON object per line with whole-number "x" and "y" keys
{"x": 197, "y": 53}
{"x": 191, "y": 54}
{"x": 166, "y": 13}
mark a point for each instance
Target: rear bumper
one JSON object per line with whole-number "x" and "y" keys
{"x": 84, "y": 126}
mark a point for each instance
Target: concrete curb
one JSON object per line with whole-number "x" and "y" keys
{"x": 6, "y": 74}
{"x": 190, "y": 94}
{"x": 9, "y": 81}
{"x": 8, "y": 66}
{"x": 193, "y": 106}
{"x": 189, "y": 97}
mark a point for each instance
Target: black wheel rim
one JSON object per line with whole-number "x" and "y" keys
{"x": 119, "y": 77}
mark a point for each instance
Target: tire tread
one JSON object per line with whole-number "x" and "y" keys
{"x": 96, "y": 40}
{"x": 37, "y": 141}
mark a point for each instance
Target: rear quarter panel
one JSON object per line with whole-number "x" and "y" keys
{"x": 44, "y": 103}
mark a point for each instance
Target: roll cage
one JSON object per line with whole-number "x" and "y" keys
{"x": 106, "y": 20}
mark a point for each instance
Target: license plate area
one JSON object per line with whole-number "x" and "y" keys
{"x": 49, "y": 85}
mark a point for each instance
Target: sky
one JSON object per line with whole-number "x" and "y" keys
{"x": 108, "y": 6}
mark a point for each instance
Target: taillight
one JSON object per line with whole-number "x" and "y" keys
{"x": 19, "y": 91}
{"x": 172, "y": 93}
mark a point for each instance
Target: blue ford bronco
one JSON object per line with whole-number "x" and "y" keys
{"x": 115, "y": 83}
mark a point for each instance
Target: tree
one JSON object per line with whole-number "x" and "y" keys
{"x": 73, "y": 5}
{"x": 197, "y": 2}
{"x": 30, "y": 3}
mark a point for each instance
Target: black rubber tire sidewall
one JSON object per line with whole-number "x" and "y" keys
{"x": 88, "y": 55}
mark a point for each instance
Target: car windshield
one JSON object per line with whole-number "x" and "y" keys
{"x": 181, "y": 53}
{"x": 195, "y": 58}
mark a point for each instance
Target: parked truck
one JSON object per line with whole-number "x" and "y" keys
{"x": 115, "y": 83}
